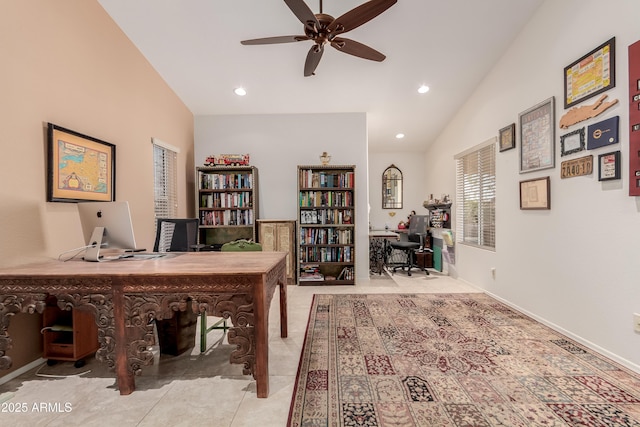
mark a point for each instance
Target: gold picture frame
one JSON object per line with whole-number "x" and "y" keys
{"x": 535, "y": 193}
{"x": 80, "y": 167}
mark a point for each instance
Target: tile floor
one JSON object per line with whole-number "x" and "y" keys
{"x": 193, "y": 388}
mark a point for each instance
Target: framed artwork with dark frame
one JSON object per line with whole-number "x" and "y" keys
{"x": 537, "y": 137}
{"x": 507, "y": 137}
{"x": 80, "y": 167}
{"x": 572, "y": 142}
{"x": 609, "y": 166}
{"x": 535, "y": 193}
{"x": 590, "y": 75}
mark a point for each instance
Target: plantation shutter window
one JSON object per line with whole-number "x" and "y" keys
{"x": 165, "y": 184}
{"x": 476, "y": 195}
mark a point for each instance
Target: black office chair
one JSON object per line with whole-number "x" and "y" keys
{"x": 176, "y": 235}
{"x": 415, "y": 243}
{"x": 181, "y": 235}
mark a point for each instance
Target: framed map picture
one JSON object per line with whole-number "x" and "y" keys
{"x": 80, "y": 168}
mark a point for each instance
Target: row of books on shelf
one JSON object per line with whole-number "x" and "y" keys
{"x": 242, "y": 199}
{"x": 224, "y": 181}
{"x": 326, "y": 254}
{"x": 326, "y": 179}
{"x": 326, "y": 236}
{"x": 311, "y": 273}
{"x": 326, "y": 216}
{"x": 326, "y": 198}
{"x": 227, "y": 217}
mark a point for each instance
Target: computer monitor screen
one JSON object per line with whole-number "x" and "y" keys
{"x": 106, "y": 225}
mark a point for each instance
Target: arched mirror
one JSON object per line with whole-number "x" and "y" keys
{"x": 392, "y": 188}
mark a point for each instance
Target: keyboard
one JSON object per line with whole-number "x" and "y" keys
{"x": 142, "y": 255}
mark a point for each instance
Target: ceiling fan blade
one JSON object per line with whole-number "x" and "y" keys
{"x": 303, "y": 13}
{"x": 274, "y": 40}
{"x": 354, "y": 48}
{"x": 359, "y": 15}
{"x": 313, "y": 59}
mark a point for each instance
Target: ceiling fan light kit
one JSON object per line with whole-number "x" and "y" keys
{"x": 321, "y": 29}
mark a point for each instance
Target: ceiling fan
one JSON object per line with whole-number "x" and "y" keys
{"x": 322, "y": 28}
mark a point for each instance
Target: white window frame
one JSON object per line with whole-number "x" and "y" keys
{"x": 475, "y": 195}
{"x": 165, "y": 179}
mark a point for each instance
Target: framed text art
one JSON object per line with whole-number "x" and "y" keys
{"x": 537, "y": 137}
{"x": 80, "y": 167}
{"x": 535, "y": 193}
{"x": 507, "y": 137}
{"x": 572, "y": 142}
{"x": 609, "y": 166}
{"x": 590, "y": 75}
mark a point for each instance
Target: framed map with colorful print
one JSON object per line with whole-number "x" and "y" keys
{"x": 80, "y": 167}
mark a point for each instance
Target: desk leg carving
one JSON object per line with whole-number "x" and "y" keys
{"x": 140, "y": 311}
{"x": 102, "y": 308}
{"x": 245, "y": 352}
{"x": 9, "y": 306}
{"x": 238, "y": 308}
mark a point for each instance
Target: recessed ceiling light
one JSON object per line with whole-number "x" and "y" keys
{"x": 240, "y": 91}
{"x": 400, "y": 135}
{"x": 423, "y": 89}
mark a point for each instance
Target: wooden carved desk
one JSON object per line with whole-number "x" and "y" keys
{"x": 126, "y": 295}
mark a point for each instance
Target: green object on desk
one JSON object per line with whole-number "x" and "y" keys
{"x": 241, "y": 245}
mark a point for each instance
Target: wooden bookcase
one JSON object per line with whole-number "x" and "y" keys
{"x": 226, "y": 204}
{"x": 68, "y": 335}
{"x": 326, "y": 225}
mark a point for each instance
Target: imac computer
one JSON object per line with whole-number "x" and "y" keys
{"x": 106, "y": 225}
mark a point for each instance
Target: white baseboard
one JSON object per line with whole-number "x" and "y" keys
{"x": 21, "y": 370}
{"x": 624, "y": 362}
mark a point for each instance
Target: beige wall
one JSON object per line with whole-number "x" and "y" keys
{"x": 66, "y": 62}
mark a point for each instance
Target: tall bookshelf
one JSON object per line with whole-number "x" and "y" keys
{"x": 326, "y": 225}
{"x": 226, "y": 204}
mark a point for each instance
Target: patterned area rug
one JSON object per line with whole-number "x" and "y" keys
{"x": 450, "y": 360}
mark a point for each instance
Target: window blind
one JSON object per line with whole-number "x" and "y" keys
{"x": 476, "y": 195}
{"x": 165, "y": 166}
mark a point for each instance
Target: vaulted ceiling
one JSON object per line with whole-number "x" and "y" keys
{"x": 448, "y": 45}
